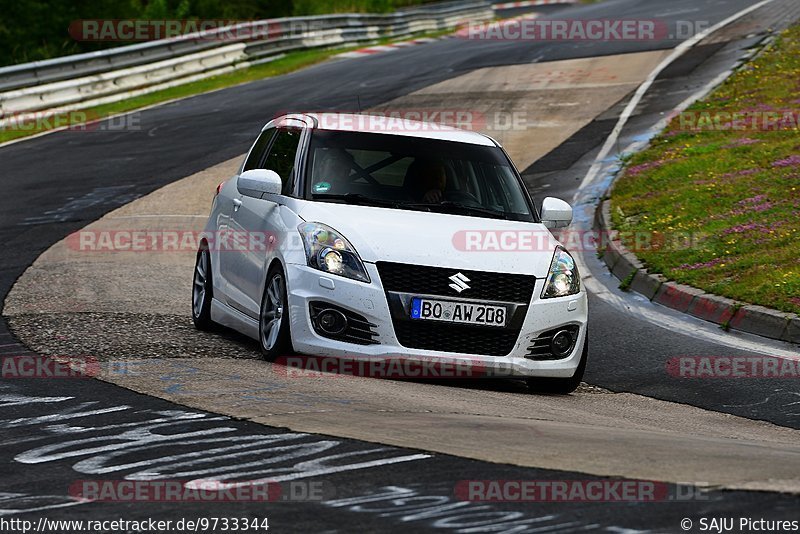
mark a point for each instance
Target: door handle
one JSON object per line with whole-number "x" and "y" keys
{"x": 236, "y": 204}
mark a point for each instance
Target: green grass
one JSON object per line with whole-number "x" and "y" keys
{"x": 291, "y": 62}
{"x": 625, "y": 285}
{"x": 722, "y": 205}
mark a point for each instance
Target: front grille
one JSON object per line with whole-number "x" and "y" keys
{"x": 540, "y": 348}
{"x": 455, "y": 338}
{"x": 423, "y": 280}
{"x": 417, "y": 280}
{"x": 359, "y": 330}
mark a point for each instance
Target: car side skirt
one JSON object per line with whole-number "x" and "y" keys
{"x": 223, "y": 314}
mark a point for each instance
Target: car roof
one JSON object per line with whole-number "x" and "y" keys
{"x": 386, "y": 123}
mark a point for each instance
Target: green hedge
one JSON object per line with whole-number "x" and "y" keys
{"x": 32, "y": 30}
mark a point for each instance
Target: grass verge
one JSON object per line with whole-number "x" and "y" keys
{"x": 717, "y": 194}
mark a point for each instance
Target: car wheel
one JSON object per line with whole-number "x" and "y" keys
{"x": 273, "y": 326}
{"x": 202, "y": 291}
{"x": 561, "y": 386}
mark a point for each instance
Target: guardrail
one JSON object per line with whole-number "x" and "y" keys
{"x": 96, "y": 78}
{"x": 500, "y": 5}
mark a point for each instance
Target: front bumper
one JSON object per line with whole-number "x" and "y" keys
{"x": 306, "y": 284}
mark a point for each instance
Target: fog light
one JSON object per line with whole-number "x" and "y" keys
{"x": 332, "y": 321}
{"x": 562, "y": 343}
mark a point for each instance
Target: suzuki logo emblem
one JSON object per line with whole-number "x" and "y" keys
{"x": 459, "y": 282}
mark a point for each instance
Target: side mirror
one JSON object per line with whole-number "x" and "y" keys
{"x": 556, "y": 213}
{"x": 256, "y": 182}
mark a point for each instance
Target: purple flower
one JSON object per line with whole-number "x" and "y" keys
{"x": 742, "y": 141}
{"x": 751, "y": 205}
{"x": 752, "y": 200}
{"x": 791, "y": 161}
{"x": 745, "y": 172}
{"x": 761, "y": 107}
{"x": 701, "y": 265}
{"x": 638, "y": 169}
{"x": 741, "y": 228}
{"x": 762, "y": 207}
{"x": 761, "y": 228}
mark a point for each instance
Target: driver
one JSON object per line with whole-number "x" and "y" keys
{"x": 334, "y": 169}
{"x": 426, "y": 180}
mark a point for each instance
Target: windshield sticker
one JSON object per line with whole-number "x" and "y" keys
{"x": 322, "y": 187}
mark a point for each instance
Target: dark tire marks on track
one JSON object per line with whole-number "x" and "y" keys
{"x": 58, "y": 442}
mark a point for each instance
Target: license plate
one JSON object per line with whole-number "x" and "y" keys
{"x": 458, "y": 312}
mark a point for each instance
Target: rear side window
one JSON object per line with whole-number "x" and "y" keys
{"x": 282, "y": 155}
{"x": 259, "y": 151}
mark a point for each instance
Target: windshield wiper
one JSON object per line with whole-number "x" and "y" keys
{"x": 356, "y": 198}
{"x": 460, "y": 207}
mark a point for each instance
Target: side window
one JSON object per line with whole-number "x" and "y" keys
{"x": 259, "y": 149}
{"x": 281, "y": 156}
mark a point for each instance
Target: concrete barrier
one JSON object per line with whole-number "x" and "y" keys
{"x": 78, "y": 90}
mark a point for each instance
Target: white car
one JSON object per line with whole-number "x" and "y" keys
{"x": 343, "y": 236}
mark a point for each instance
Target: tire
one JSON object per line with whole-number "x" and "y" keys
{"x": 202, "y": 291}
{"x": 273, "y": 324}
{"x": 561, "y": 386}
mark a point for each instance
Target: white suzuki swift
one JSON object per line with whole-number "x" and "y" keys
{"x": 354, "y": 236}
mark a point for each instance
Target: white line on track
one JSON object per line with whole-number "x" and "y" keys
{"x": 635, "y": 305}
{"x": 681, "y": 49}
{"x": 642, "y": 309}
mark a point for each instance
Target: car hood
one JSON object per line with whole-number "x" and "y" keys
{"x": 436, "y": 239}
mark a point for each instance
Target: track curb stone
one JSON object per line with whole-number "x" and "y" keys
{"x": 723, "y": 311}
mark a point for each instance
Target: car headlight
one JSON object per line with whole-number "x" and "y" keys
{"x": 328, "y": 251}
{"x": 564, "y": 278}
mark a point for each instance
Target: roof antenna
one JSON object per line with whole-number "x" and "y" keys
{"x": 358, "y": 100}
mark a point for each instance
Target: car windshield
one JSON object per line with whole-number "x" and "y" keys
{"x": 414, "y": 173}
